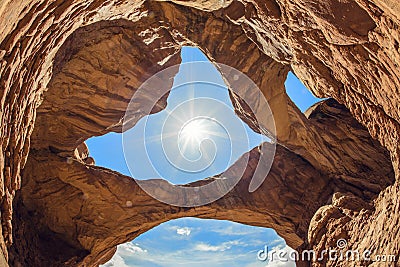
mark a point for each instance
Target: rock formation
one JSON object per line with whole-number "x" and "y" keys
{"x": 69, "y": 68}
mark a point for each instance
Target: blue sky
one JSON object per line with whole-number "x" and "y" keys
{"x": 299, "y": 94}
{"x": 190, "y": 241}
{"x": 189, "y": 100}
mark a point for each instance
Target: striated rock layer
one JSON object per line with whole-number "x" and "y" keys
{"x": 69, "y": 68}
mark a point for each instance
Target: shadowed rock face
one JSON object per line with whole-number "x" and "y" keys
{"x": 69, "y": 68}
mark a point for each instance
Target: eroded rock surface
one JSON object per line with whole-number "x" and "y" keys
{"x": 69, "y": 68}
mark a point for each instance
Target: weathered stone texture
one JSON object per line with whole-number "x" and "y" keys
{"x": 69, "y": 68}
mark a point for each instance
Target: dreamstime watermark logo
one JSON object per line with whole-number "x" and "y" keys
{"x": 340, "y": 253}
{"x": 193, "y": 138}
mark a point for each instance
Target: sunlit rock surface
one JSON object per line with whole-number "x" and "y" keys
{"x": 69, "y": 68}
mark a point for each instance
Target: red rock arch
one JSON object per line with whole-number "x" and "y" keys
{"x": 349, "y": 56}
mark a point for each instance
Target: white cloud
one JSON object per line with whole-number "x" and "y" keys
{"x": 130, "y": 248}
{"x": 272, "y": 264}
{"x": 124, "y": 251}
{"x": 237, "y": 230}
{"x": 282, "y": 264}
{"x": 222, "y": 247}
{"x": 183, "y": 231}
{"x": 116, "y": 261}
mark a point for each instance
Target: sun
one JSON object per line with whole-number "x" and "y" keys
{"x": 194, "y": 131}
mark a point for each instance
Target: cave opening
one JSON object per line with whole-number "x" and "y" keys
{"x": 195, "y": 242}
{"x": 107, "y": 150}
{"x": 299, "y": 93}
{"x": 195, "y": 113}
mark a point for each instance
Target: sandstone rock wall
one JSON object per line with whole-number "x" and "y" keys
{"x": 69, "y": 68}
